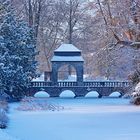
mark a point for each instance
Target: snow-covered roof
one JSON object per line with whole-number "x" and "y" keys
{"x": 67, "y": 58}
{"x": 67, "y": 53}
{"x": 67, "y": 48}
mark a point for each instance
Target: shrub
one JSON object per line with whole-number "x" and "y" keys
{"x": 3, "y": 119}
{"x": 4, "y": 105}
{"x": 3, "y": 114}
{"x": 135, "y": 99}
{"x": 34, "y": 104}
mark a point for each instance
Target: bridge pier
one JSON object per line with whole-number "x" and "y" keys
{"x": 100, "y": 96}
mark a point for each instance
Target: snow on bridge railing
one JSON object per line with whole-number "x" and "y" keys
{"x": 85, "y": 84}
{"x": 40, "y": 84}
{"x": 107, "y": 84}
{"x": 67, "y": 84}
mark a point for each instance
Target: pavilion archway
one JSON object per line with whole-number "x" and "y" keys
{"x": 67, "y": 73}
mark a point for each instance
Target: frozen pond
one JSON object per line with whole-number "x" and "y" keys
{"x": 82, "y": 119}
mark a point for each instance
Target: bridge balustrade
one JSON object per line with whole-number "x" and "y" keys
{"x": 106, "y": 84}
{"x": 67, "y": 84}
{"x": 85, "y": 84}
{"x": 40, "y": 84}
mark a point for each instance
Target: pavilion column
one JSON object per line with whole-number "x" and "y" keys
{"x": 54, "y": 74}
{"x": 79, "y": 69}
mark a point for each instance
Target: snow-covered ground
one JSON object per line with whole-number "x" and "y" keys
{"x": 82, "y": 119}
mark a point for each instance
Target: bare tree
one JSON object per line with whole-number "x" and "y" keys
{"x": 122, "y": 17}
{"x": 100, "y": 28}
{"x": 33, "y": 9}
{"x": 118, "y": 28}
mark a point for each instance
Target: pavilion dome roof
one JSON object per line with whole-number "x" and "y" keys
{"x": 67, "y": 48}
{"x": 67, "y": 53}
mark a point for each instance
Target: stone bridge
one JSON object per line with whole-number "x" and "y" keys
{"x": 70, "y": 56}
{"x": 104, "y": 88}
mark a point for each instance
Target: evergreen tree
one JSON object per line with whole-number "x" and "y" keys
{"x": 17, "y": 52}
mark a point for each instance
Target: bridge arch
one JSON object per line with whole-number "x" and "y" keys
{"x": 92, "y": 94}
{"x": 41, "y": 94}
{"x": 67, "y": 93}
{"x": 115, "y": 94}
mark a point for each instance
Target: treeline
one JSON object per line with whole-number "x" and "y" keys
{"x": 108, "y": 33}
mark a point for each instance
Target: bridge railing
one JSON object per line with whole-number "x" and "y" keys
{"x": 85, "y": 84}
{"x": 40, "y": 84}
{"x": 107, "y": 84}
{"x": 47, "y": 84}
{"x": 67, "y": 84}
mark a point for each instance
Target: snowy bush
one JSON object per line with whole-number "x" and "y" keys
{"x": 135, "y": 100}
{"x": 3, "y": 119}
{"x": 135, "y": 97}
{"x": 4, "y": 105}
{"x": 34, "y": 104}
{"x": 136, "y": 92}
{"x": 3, "y": 116}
